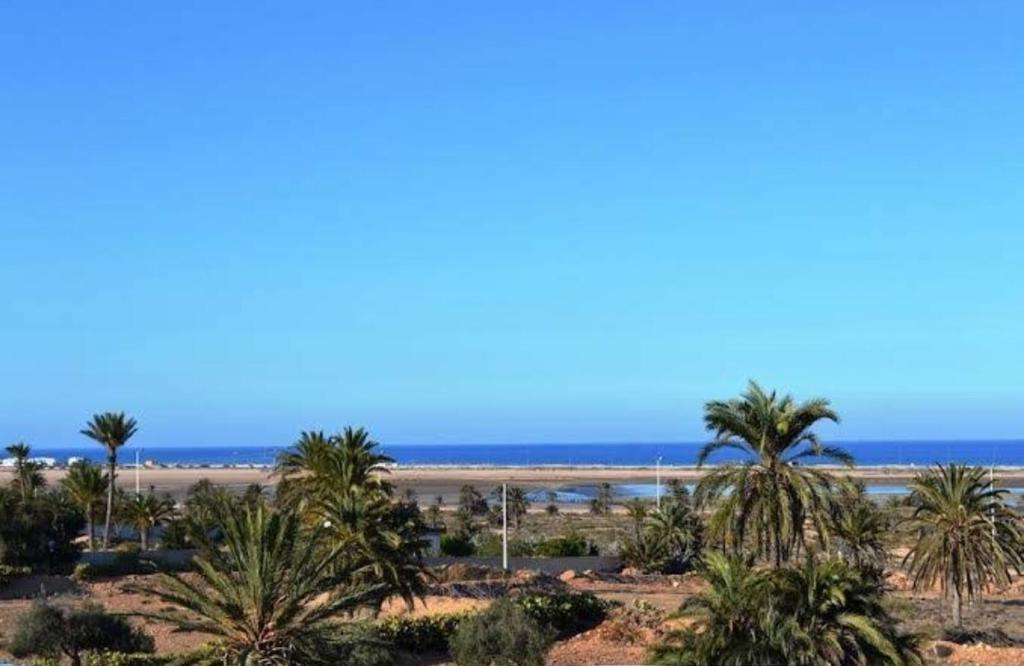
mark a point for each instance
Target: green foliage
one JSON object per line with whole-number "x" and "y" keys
{"x": 82, "y": 572}
{"x": 564, "y": 614}
{"x": 87, "y": 486}
{"x": 112, "y": 430}
{"x": 269, "y": 595}
{"x": 48, "y": 631}
{"x": 38, "y": 534}
{"x": 669, "y": 541}
{"x": 860, "y": 528}
{"x": 339, "y": 483}
{"x": 570, "y": 545}
{"x": 968, "y": 538}
{"x": 502, "y": 635}
{"x": 8, "y": 573}
{"x": 109, "y": 658}
{"x": 818, "y": 613}
{"x": 489, "y": 545}
{"x": 146, "y": 511}
{"x": 769, "y": 498}
{"x": 457, "y": 545}
{"x": 417, "y": 635}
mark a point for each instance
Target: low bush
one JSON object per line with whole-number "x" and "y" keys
{"x": 489, "y": 545}
{"x": 565, "y": 546}
{"x": 455, "y": 545}
{"x": 429, "y": 633}
{"x": 48, "y": 631}
{"x": 502, "y": 635}
{"x": 8, "y": 573}
{"x": 565, "y": 614}
{"x": 107, "y": 658}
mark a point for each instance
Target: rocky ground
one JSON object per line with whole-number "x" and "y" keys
{"x": 996, "y": 625}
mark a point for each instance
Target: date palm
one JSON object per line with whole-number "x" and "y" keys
{"x": 337, "y": 483}
{"x": 112, "y": 430}
{"x": 87, "y": 485}
{"x": 860, "y": 528}
{"x": 27, "y": 475}
{"x": 144, "y": 512}
{"x": 768, "y": 496}
{"x": 967, "y": 537}
{"x": 269, "y": 595}
{"x": 815, "y": 614}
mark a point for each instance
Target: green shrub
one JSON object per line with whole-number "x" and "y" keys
{"x": 429, "y": 633}
{"x": 456, "y": 545}
{"x": 565, "y": 614}
{"x": 82, "y": 572}
{"x": 107, "y": 658}
{"x": 565, "y": 546}
{"x": 48, "y": 631}
{"x": 8, "y": 573}
{"x": 502, "y": 635}
{"x": 489, "y": 545}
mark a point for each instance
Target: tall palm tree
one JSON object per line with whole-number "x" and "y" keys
{"x": 337, "y": 483}
{"x": 144, "y": 512}
{"x": 27, "y": 475}
{"x": 87, "y": 485}
{"x": 818, "y": 613}
{"x": 112, "y": 430}
{"x": 768, "y": 496}
{"x": 269, "y": 596}
{"x": 968, "y": 539}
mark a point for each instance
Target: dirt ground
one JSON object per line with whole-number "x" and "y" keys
{"x": 999, "y": 619}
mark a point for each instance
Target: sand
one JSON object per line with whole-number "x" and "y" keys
{"x": 428, "y": 482}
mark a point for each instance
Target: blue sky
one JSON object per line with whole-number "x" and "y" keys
{"x": 457, "y": 222}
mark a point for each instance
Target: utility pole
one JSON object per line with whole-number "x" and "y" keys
{"x": 504, "y": 526}
{"x": 657, "y": 482}
{"x": 138, "y": 479}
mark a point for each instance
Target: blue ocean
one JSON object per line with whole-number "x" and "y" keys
{"x": 629, "y": 454}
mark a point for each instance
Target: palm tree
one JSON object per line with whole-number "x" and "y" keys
{"x": 679, "y": 531}
{"x": 517, "y": 503}
{"x": 968, "y": 539}
{"x": 112, "y": 430}
{"x": 337, "y": 483}
{"x": 860, "y": 529}
{"x": 727, "y": 628}
{"x": 144, "y": 512}
{"x": 27, "y": 475}
{"x": 769, "y": 495}
{"x": 269, "y": 596}
{"x": 818, "y": 613}
{"x": 87, "y": 484}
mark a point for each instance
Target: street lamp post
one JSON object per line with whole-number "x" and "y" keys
{"x": 657, "y": 484}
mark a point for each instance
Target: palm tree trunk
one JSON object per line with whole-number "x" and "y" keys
{"x": 957, "y": 604}
{"x": 144, "y": 536}
{"x": 112, "y": 473}
{"x": 90, "y": 527}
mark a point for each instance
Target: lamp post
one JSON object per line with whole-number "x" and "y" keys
{"x": 657, "y": 482}
{"x": 504, "y": 526}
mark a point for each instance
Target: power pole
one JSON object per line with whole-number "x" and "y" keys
{"x": 138, "y": 480}
{"x": 504, "y": 526}
{"x": 657, "y": 482}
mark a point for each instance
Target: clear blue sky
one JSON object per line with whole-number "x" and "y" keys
{"x": 459, "y": 222}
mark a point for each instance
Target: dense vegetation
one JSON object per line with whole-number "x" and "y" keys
{"x": 794, "y": 555}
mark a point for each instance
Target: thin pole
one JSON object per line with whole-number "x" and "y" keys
{"x": 657, "y": 476}
{"x": 504, "y": 526}
{"x": 991, "y": 487}
{"x": 138, "y": 480}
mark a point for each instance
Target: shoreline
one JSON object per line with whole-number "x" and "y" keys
{"x": 429, "y": 481}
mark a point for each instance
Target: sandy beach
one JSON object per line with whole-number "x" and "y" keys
{"x": 429, "y": 482}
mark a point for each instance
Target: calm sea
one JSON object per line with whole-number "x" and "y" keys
{"x": 982, "y": 452}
